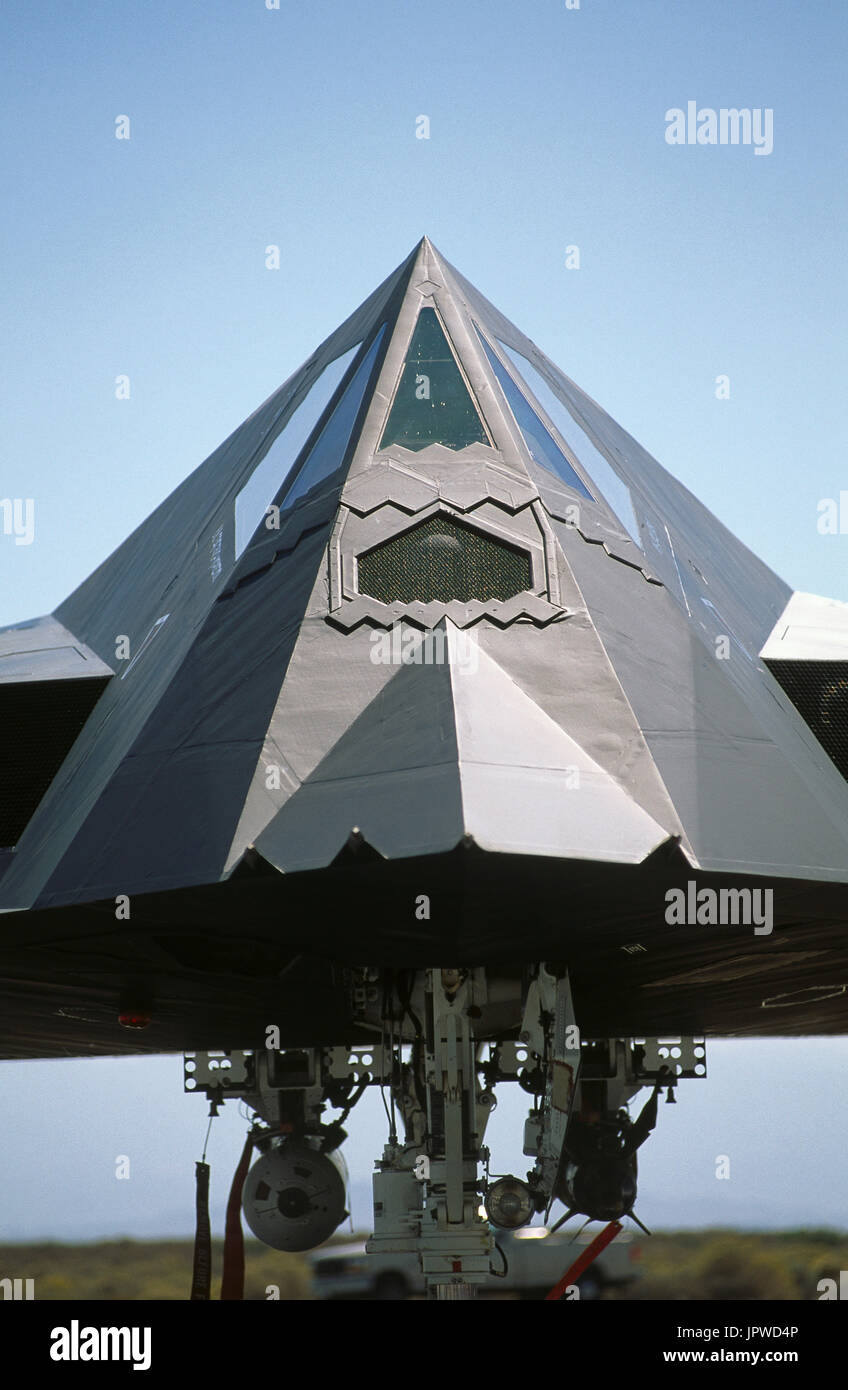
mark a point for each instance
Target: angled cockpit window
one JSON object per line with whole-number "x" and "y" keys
{"x": 269, "y": 475}
{"x": 328, "y": 451}
{"x": 601, "y": 472}
{"x": 432, "y": 404}
{"x": 539, "y": 440}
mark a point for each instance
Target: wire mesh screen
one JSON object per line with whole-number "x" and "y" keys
{"x": 39, "y": 722}
{"x": 442, "y": 559}
{"x": 819, "y": 692}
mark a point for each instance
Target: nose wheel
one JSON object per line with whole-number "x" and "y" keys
{"x": 443, "y": 1039}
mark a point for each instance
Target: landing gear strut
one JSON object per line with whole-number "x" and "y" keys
{"x": 443, "y": 1039}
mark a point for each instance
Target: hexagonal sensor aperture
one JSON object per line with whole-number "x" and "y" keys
{"x": 442, "y": 559}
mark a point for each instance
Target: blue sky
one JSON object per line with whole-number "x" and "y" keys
{"x": 251, "y": 127}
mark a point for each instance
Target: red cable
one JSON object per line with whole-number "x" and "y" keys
{"x": 232, "y": 1279}
{"x": 583, "y": 1261}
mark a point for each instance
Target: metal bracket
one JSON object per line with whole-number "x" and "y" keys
{"x": 218, "y": 1071}
{"x": 683, "y": 1058}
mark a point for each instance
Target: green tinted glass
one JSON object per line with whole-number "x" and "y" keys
{"x": 432, "y": 404}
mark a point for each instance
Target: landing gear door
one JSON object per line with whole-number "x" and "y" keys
{"x": 561, "y": 1080}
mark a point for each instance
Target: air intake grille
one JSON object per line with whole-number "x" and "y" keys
{"x": 819, "y": 692}
{"x": 441, "y": 559}
{"x": 39, "y": 722}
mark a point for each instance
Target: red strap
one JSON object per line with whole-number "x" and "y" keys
{"x": 583, "y": 1261}
{"x": 232, "y": 1279}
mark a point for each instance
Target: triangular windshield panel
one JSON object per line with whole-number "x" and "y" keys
{"x": 268, "y": 477}
{"x": 328, "y": 452}
{"x": 432, "y": 404}
{"x": 616, "y": 492}
{"x": 539, "y": 440}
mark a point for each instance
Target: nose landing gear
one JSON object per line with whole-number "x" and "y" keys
{"x": 447, "y": 1038}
